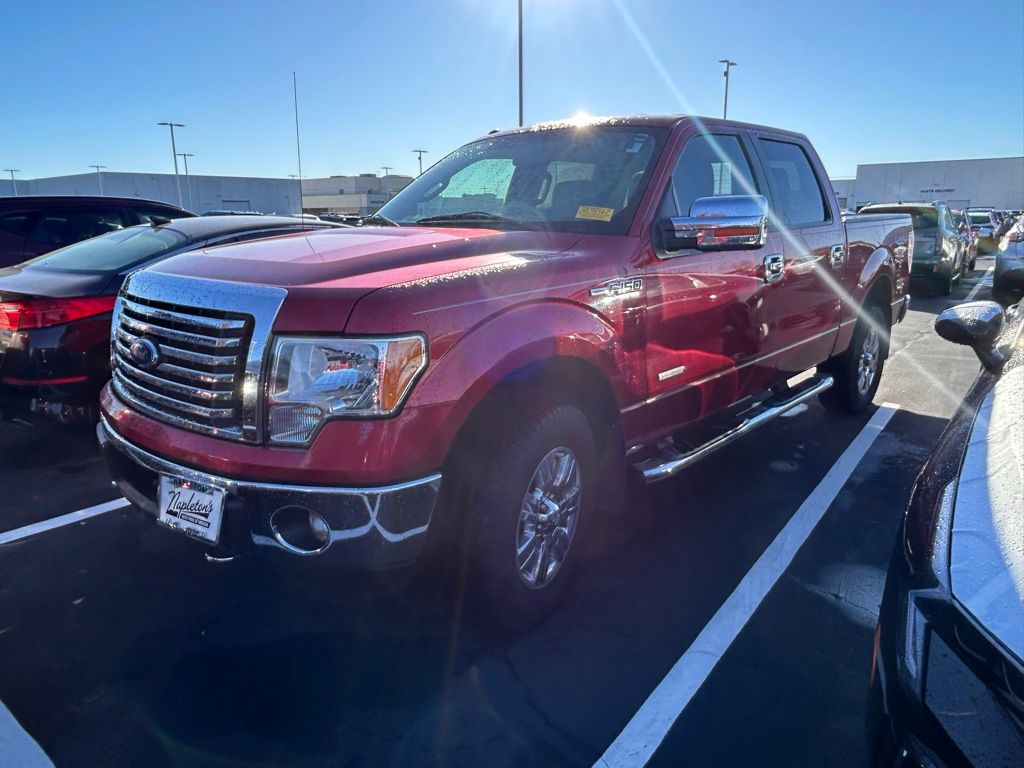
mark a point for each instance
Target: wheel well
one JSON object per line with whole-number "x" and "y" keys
{"x": 880, "y": 295}
{"x": 534, "y": 387}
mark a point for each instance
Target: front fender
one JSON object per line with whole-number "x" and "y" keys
{"x": 509, "y": 342}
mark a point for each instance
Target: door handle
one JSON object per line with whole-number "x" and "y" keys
{"x": 837, "y": 255}
{"x": 774, "y": 267}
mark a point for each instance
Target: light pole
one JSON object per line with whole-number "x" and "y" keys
{"x": 520, "y": 63}
{"x": 295, "y": 176}
{"x": 188, "y": 183}
{"x": 13, "y": 171}
{"x": 728, "y": 65}
{"x": 420, "y": 153}
{"x": 387, "y": 170}
{"x": 99, "y": 176}
{"x": 174, "y": 152}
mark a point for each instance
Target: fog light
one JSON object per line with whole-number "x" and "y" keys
{"x": 293, "y": 423}
{"x": 300, "y": 530}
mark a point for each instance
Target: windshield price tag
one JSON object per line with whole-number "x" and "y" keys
{"x": 594, "y": 213}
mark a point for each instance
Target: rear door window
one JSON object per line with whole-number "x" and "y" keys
{"x": 797, "y": 193}
{"x": 62, "y": 227}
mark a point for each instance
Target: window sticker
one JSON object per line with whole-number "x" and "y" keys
{"x": 638, "y": 143}
{"x": 594, "y": 213}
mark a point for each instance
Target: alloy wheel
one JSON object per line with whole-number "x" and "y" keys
{"x": 867, "y": 366}
{"x": 548, "y": 517}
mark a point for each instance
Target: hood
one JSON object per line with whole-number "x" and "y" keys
{"x": 986, "y": 563}
{"x": 54, "y": 283}
{"x": 364, "y": 258}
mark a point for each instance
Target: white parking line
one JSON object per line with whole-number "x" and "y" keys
{"x": 985, "y": 279}
{"x": 645, "y": 731}
{"x": 17, "y": 748}
{"x": 56, "y": 522}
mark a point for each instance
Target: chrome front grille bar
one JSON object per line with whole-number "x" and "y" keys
{"x": 211, "y": 338}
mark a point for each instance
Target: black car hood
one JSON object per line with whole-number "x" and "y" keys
{"x": 54, "y": 283}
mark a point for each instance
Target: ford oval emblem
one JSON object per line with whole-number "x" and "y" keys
{"x": 144, "y": 353}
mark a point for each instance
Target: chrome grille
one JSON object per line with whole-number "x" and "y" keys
{"x": 198, "y": 380}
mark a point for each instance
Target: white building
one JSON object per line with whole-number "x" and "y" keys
{"x": 997, "y": 182}
{"x": 198, "y": 193}
{"x": 362, "y": 195}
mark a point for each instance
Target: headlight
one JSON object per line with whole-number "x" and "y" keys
{"x": 315, "y": 379}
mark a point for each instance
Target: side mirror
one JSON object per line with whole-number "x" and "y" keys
{"x": 726, "y": 222}
{"x": 976, "y": 324}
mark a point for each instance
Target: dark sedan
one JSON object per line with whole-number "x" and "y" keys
{"x": 31, "y": 225}
{"x": 947, "y": 680}
{"x": 55, "y": 310}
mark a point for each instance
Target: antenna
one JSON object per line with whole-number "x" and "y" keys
{"x": 298, "y": 145}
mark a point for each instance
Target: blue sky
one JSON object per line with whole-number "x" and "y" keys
{"x": 868, "y": 81}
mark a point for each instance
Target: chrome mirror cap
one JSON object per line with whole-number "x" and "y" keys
{"x": 725, "y": 222}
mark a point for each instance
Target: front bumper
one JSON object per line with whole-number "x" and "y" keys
{"x": 376, "y": 527}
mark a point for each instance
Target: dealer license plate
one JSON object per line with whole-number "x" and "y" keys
{"x": 190, "y": 507}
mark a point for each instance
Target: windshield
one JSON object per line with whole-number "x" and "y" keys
{"x": 576, "y": 179}
{"x": 113, "y": 252}
{"x": 980, "y": 218}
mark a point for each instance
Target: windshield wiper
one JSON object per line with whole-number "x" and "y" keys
{"x": 481, "y": 216}
{"x": 377, "y": 218}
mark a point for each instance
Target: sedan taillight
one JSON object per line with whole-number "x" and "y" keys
{"x": 43, "y": 313}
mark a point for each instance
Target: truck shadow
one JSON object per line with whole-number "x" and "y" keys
{"x": 263, "y": 662}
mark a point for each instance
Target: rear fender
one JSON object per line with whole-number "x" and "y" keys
{"x": 879, "y": 265}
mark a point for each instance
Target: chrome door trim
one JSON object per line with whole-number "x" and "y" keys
{"x": 774, "y": 268}
{"x": 711, "y": 377}
{"x": 836, "y": 256}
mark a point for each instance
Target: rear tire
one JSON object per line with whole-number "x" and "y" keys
{"x": 529, "y": 513}
{"x": 858, "y": 370}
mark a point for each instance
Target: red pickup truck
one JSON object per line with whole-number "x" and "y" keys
{"x": 476, "y": 372}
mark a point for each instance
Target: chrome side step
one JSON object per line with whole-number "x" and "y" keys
{"x": 662, "y": 467}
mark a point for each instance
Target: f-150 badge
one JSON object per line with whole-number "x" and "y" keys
{"x": 618, "y": 287}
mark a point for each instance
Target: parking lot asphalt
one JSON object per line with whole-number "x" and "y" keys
{"x": 121, "y": 646}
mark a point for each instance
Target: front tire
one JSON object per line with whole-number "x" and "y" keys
{"x": 530, "y": 511}
{"x": 858, "y": 370}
